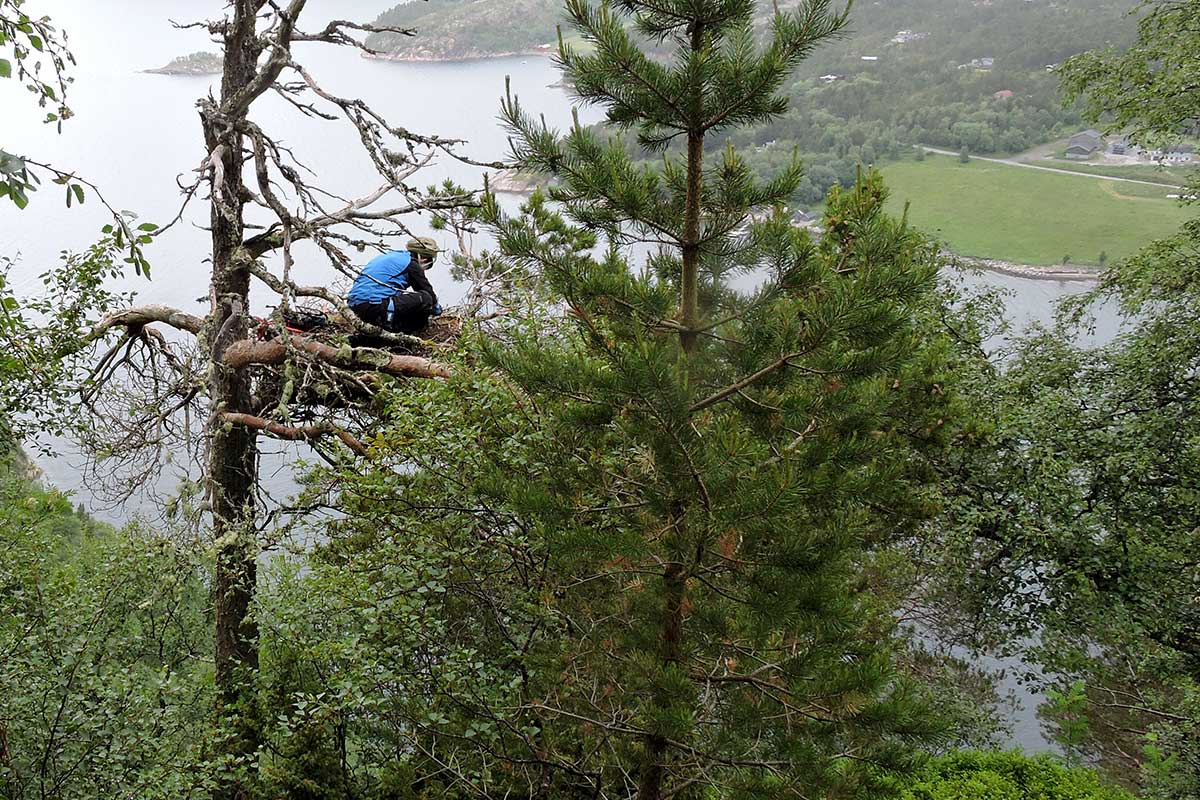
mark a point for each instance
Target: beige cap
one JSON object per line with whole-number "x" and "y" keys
{"x": 423, "y": 244}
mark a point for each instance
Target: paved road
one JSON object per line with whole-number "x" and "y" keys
{"x": 1012, "y": 163}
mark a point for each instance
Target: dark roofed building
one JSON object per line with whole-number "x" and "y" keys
{"x": 1084, "y": 144}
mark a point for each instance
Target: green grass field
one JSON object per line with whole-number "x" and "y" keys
{"x": 1029, "y": 216}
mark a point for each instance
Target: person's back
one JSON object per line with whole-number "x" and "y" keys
{"x": 392, "y": 291}
{"x": 385, "y": 275}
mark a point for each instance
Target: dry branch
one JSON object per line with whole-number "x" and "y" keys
{"x": 244, "y": 353}
{"x": 144, "y": 315}
{"x": 748, "y": 381}
{"x": 307, "y": 433}
{"x": 335, "y": 33}
{"x": 236, "y": 106}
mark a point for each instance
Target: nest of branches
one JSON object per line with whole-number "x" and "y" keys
{"x": 321, "y": 348}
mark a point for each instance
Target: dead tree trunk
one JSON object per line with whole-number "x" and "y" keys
{"x": 232, "y": 453}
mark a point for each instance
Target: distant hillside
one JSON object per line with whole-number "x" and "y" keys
{"x": 917, "y": 35}
{"x": 460, "y": 29}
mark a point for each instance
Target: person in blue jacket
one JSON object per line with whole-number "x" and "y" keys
{"x": 392, "y": 291}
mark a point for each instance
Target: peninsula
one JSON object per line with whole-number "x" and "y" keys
{"x": 195, "y": 64}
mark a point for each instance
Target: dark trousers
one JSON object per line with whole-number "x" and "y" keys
{"x": 410, "y": 312}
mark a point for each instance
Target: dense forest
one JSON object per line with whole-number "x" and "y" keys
{"x": 623, "y": 523}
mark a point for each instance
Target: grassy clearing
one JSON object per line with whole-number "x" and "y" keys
{"x": 1029, "y": 216}
{"x": 575, "y": 40}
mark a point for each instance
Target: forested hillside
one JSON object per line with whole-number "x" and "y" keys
{"x": 926, "y": 91}
{"x": 101, "y": 641}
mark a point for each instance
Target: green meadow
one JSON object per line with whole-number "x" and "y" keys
{"x": 1029, "y": 216}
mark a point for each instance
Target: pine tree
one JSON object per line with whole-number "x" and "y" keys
{"x": 725, "y": 462}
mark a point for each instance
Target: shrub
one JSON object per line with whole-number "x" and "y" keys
{"x": 1006, "y": 776}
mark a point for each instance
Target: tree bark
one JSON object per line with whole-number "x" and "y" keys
{"x": 654, "y": 770}
{"x": 233, "y": 452}
{"x": 244, "y": 353}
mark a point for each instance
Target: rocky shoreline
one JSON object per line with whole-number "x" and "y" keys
{"x": 196, "y": 64}
{"x": 1034, "y": 271}
{"x": 405, "y": 58}
{"x": 14, "y": 458}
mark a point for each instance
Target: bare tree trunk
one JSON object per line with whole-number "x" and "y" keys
{"x": 232, "y": 467}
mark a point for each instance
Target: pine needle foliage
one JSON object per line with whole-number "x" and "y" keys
{"x": 706, "y": 520}
{"x": 725, "y": 460}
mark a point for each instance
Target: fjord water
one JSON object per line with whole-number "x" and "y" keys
{"x": 134, "y": 133}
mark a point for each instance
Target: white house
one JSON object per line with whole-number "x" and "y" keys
{"x": 984, "y": 63}
{"x": 1174, "y": 154}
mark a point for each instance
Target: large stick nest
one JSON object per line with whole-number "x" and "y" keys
{"x": 309, "y": 386}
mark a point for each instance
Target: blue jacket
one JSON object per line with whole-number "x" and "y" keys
{"x": 385, "y": 275}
